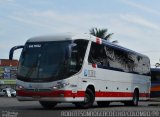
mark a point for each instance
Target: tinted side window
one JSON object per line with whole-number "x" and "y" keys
{"x": 117, "y": 59}
{"x": 77, "y": 55}
{"x": 97, "y": 54}
{"x": 155, "y": 76}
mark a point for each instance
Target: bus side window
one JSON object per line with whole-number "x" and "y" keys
{"x": 97, "y": 55}
{"x": 77, "y": 54}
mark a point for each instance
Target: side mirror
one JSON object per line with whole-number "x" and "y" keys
{"x": 13, "y": 49}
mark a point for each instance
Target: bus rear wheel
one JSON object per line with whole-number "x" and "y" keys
{"x": 48, "y": 104}
{"x": 135, "y": 99}
{"x": 88, "y": 100}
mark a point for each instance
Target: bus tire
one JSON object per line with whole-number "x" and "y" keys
{"x": 103, "y": 103}
{"x": 135, "y": 99}
{"x": 88, "y": 101}
{"x": 48, "y": 104}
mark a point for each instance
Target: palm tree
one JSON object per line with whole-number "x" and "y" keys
{"x": 157, "y": 65}
{"x": 101, "y": 33}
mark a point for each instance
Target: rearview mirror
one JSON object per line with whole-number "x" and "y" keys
{"x": 13, "y": 49}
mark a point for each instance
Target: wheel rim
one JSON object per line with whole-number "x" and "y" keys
{"x": 135, "y": 100}
{"x": 87, "y": 98}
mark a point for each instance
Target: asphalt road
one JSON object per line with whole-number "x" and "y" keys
{"x": 10, "y": 107}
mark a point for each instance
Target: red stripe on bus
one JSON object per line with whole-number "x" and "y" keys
{"x": 144, "y": 95}
{"x": 69, "y": 93}
{"x": 114, "y": 94}
{"x": 58, "y": 93}
{"x": 119, "y": 94}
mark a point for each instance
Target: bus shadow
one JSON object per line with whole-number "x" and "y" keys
{"x": 66, "y": 108}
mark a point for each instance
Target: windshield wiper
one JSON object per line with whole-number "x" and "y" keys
{"x": 31, "y": 70}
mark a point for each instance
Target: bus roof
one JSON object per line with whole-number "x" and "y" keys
{"x": 50, "y": 38}
{"x": 109, "y": 44}
{"x": 89, "y": 37}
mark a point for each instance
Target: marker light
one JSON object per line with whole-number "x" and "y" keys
{"x": 19, "y": 87}
{"x": 60, "y": 85}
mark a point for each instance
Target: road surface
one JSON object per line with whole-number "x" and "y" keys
{"x": 10, "y": 107}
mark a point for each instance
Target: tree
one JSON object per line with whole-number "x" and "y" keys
{"x": 157, "y": 64}
{"x": 101, "y": 33}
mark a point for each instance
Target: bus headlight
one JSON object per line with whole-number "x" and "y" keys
{"x": 60, "y": 85}
{"x": 19, "y": 87}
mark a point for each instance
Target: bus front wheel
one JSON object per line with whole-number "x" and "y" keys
{"x": 48, "y": 104}
{"x": 88, "y": 100}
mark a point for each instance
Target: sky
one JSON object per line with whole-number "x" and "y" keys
{"x": 135, "y": 23}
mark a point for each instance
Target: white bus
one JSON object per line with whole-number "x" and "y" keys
{"x": 81, "y": 69}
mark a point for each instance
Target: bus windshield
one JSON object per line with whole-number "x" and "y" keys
{"x": 49, "y": 61}
{"x": 42, "y": 60}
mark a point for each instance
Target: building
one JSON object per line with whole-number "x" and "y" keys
{"x": 8, "y": 71}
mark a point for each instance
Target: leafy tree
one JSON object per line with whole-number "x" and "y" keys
{"x": 101, "y": 33}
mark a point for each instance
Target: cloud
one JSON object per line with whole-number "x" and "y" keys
{"x": 139, "y": 21}
{"x": 1, "y": 33}
{"x": 140, "y": 6}
{"x": 27, "y": 21}
{"x": 81, "y": 23}
{"x": 6, "y": 1}
{"x": 59, "y": 22}
{"x": 4, "y": 46}
{"x": 129, "y": 29}
{"x": 71, "y": 18}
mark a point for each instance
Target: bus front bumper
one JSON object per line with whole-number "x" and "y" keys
{"x": 54, "y": 99}
{"x": 58, "y": 96}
